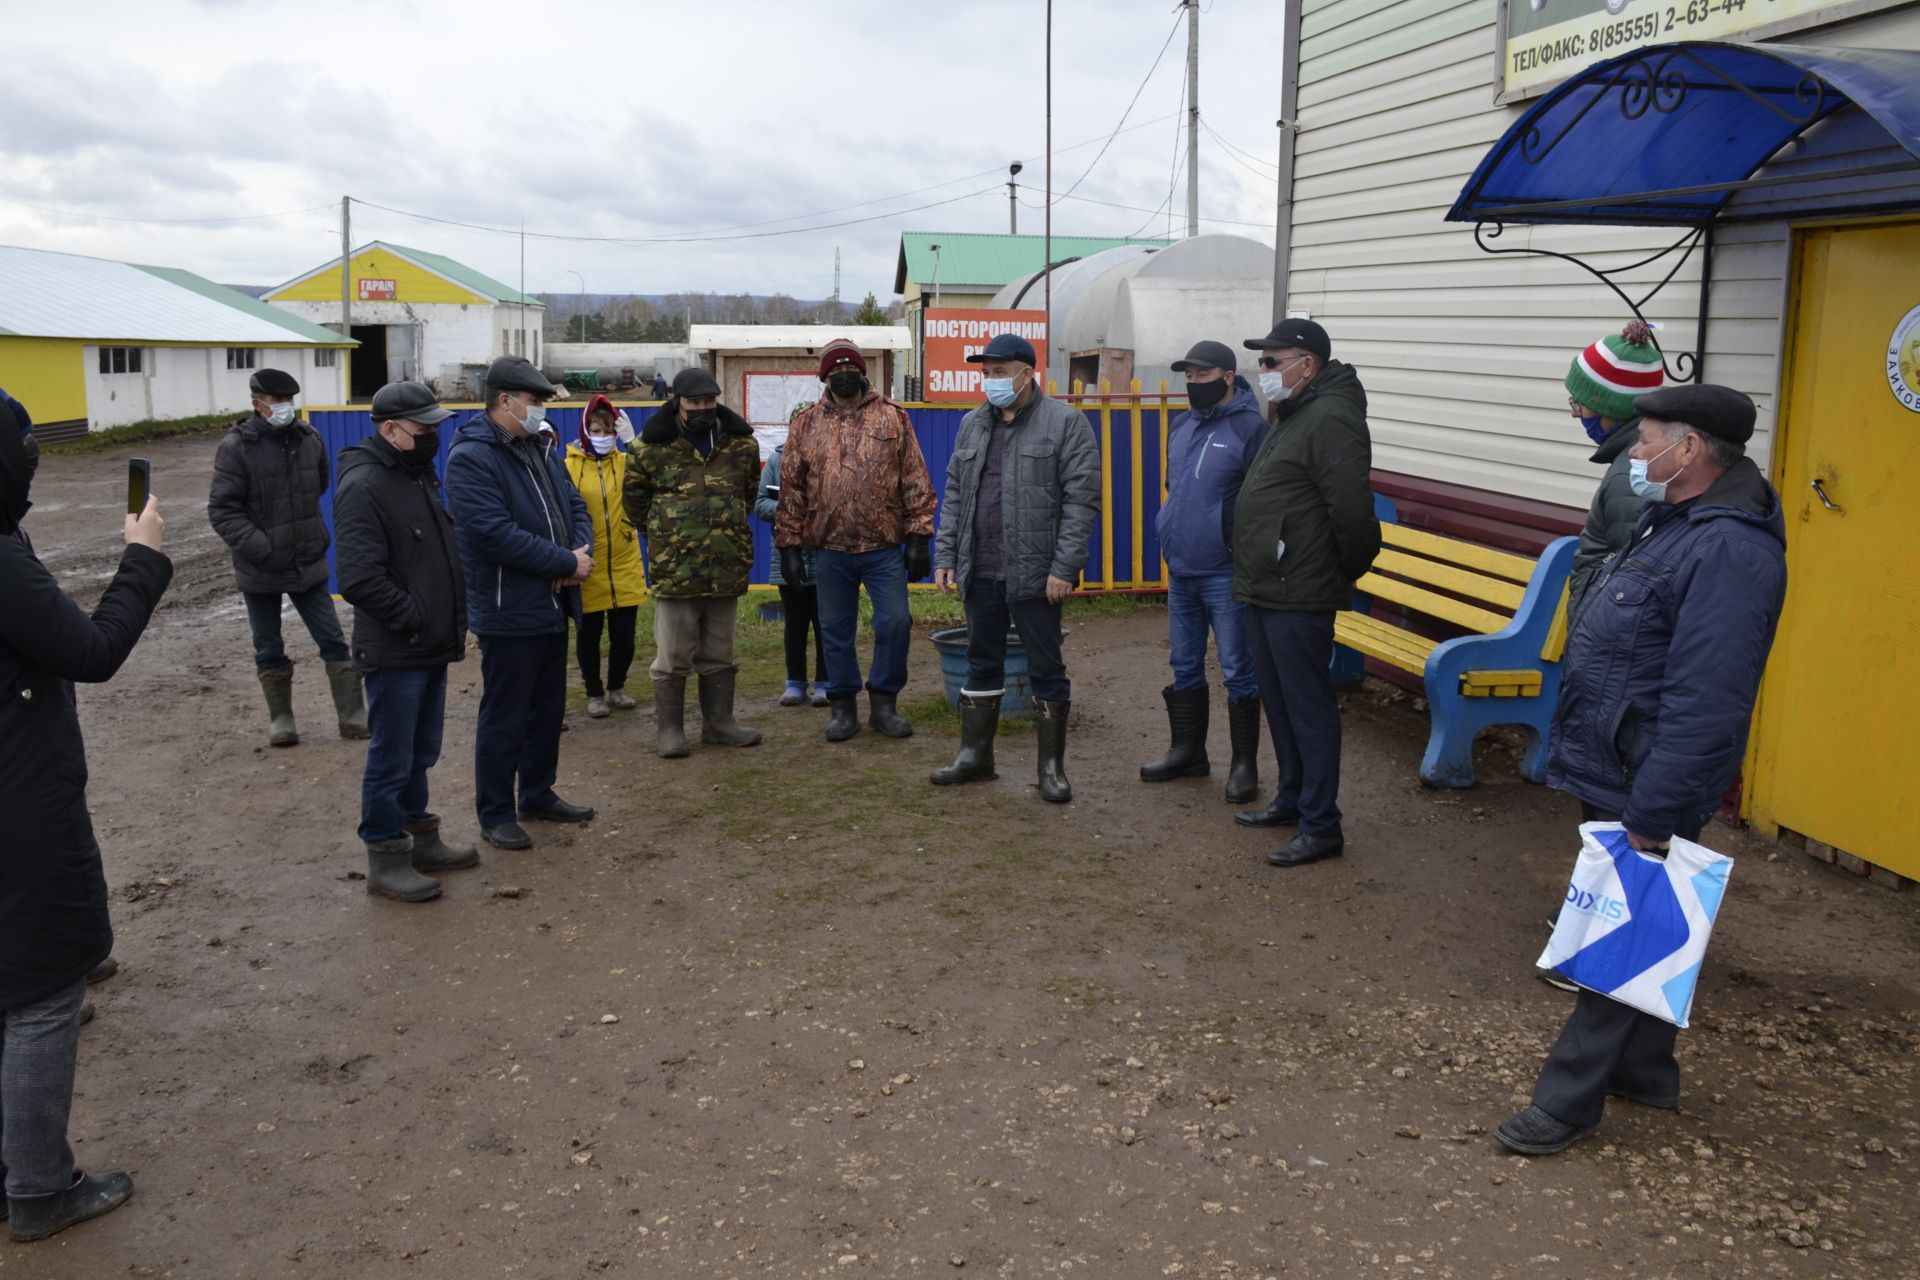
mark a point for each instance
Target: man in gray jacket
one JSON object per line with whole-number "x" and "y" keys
{"x": 1023, "y": 487}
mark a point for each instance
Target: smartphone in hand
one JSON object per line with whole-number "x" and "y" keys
{"x": 139, "y": 484}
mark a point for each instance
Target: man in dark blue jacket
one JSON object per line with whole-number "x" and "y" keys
{"x": 1657, "y": 689}
{"x": 526, "y": 545}
{"x": 1209, "y": 449}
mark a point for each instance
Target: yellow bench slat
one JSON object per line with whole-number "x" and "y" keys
{"x": 1557, "y": 632}
{"x": 1458, "y": 612}
{"x": 1501, "y": 564}
{"x": 1500, "y": 684}
{"x": 1384, "y": 641}
{"x": 1464, "y": 582}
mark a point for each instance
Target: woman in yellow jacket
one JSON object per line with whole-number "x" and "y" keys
{"x": 610, "y": 598}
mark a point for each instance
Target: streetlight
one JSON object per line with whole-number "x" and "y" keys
{"x": 580, "y": 301}
{"x": 1013, "y": 203}
{"x": 936, "y": 273}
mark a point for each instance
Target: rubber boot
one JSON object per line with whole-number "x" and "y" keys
{"x": 843, "y": 721}
{"x": 717, "y": 725}
{"x": 884, "y": 715}
{"x": 1186, "y": 755}
{"x": 670, "y": 716}
{"x": 431, "y": 853}
{"x": 349, "y": 703}
{"x": 1050, "y": 727}
{"x": 277, "y": 684}
{"x": 390, "y": 872}
{"x": 1243, "y": 729}
{"x": 979, "y": 722}
{"x": 37, "y": 1217}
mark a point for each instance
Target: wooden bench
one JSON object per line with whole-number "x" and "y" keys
{"x": 1506, "y": 672}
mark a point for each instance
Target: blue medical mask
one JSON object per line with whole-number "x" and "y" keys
{"x": 1595, "y": 432}
{"x": 281, "y": 414}
{"x": 1000, "y": 391}
{"x": 1651, "y": 490}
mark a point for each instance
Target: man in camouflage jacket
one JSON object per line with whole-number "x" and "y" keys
{"x": 854, "y": 490}
{"x": 691, "y": 481}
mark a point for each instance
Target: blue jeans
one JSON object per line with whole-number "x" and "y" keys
{"x": 315, "y": 607}
{"x": 1194, "y": 604}
{"x": 405, "y": 710}
{"x": 39, "y": 1044}
{"x": 837, "y": 576}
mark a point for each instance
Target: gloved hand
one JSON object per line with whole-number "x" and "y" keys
{"x": 793, "y": 566}
{"x": 623, "y": 427}
{"x": 919, "y": 559}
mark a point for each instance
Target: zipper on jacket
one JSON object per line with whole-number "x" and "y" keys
{"x": 599, "y": 469}
{"x": 1205, "y": 445}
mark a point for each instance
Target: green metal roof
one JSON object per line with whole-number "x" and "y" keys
{"x": 973, "y": 258}
{"x": 467, "y": 276}
{"x": 296, "y": 327}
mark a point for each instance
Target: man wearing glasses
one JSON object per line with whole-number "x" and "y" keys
{"x": 1303, "y": 533}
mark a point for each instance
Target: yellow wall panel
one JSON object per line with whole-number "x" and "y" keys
{"x": 47, "y": 375}
{"x": 411, "y": 283}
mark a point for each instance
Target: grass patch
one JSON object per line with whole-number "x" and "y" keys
{"x": 205, "y": 424}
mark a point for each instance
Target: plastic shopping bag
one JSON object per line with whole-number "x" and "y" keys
{"x": 1634, "y": 927}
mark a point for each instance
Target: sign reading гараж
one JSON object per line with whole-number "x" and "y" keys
{"x": 1545, "y": 41}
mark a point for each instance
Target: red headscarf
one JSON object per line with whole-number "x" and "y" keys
{"x": 595, "y": 401}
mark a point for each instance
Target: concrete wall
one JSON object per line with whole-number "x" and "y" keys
{"x": 644, "y": 358}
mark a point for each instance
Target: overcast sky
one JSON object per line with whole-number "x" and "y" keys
{"x": 634, "y": 120}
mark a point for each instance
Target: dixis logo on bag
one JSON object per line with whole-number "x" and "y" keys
{"x": 1595, "y": 904}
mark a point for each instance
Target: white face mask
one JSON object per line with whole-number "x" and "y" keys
{"x": 602, "y": 445}
{"x": 1641, "y": 483}
{"x": 281, "y": 414}
{"x": 1274, "y": 387}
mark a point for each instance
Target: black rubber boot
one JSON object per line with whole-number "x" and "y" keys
{"x": 717, "y": 726}
{"x": 670, "y": 716}
{"x": 979, "y": 722}
{"x": 1243, "y": 730}
{"x": 37, "y": 1217}
{"x": 1187, "y": 723}
{"x": 349, "y": 700}
{"x": 431, "y": 853}
{"x": 277, "y": 684}
{"x": 884, "y": 715}
{"x": 390, "y": 872}
{"x": 1050, "y": 727}
{"x": 843, "y": 721}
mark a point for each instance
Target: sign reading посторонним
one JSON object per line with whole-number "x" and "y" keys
{"x": 1545, "y": 41}
{"x": 950, "y": 334}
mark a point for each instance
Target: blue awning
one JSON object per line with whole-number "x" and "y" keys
{"x": 1667, "y": 134}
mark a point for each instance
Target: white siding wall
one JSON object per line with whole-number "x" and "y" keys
{"x": 1462, "y": 353}
{"x": 451, "y": 333}
{"x": 184, "y": 382}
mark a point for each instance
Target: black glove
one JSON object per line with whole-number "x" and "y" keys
{"x": 919, "y": 559}
{"x": 793, "y": 566}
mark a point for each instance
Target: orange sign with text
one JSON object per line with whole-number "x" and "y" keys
{"x": 950, "y": 334}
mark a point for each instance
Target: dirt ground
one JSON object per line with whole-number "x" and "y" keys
{"x": 791, "y": 1011}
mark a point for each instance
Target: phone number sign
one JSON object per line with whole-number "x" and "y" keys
{"x": 1545, "y": 41}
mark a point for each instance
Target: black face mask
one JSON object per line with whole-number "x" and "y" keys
{"x": 1205, "y": 395}
{"x": 702, "y": 420}
{"x": 846, "y": 385}
{"x": 31, "y": 449}
{"x": 426, "y": 445}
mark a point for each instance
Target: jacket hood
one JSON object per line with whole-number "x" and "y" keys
{"x": 1741, "y": 494}
{"x": 370, "y": 452}
{"x": 594, "y": 401}
{"x": 1624, "y": 437}
{"x": 664, "y": 426}
{"x": 1338, "y": 379}
{"x": 14, "y": 480}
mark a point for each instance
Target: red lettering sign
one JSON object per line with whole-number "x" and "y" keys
{"x": 950, "y": 334}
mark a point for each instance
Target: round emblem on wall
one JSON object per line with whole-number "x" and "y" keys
{"x": 1903, "y": 361}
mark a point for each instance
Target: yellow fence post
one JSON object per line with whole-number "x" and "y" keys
{"x": 1106, "y": 486}
{"x": 1166, "y": 435}
{"x": 1139, "y": 478}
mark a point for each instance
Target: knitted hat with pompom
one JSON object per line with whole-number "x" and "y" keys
{"x": 1610, "y": 373}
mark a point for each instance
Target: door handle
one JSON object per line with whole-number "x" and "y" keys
{"x": 1825, "y": 501}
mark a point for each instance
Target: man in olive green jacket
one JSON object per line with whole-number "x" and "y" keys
{"x": 1303, "y": 533}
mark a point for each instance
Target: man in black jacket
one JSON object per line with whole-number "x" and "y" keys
{"x": 268, "y": 475}
{"x": 1303, "y": 533}
{"x": 400, "y": 571}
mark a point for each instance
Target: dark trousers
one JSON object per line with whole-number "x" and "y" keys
{"x": 1292, "y": 653}
{"x": 406, "y": 709}
{"x": 800, "y": 613}
{"x": 988, "y": 614}
{"x": 523, "y": 700}
{"x": 1606, "y": 1045}
{"x": 618, "y": 625}
{"x": 315, "y": 607}
{"x": 39, "y": 1045}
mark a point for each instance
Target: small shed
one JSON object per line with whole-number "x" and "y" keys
{"x": 765, "y": 369}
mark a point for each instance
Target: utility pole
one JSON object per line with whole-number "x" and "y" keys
{"x": 1013, "y": 199}
{"x": 1046, "y": 251}
{"x": 836, "y": 275}
{"x": 1193, "y": 117}
{"x": 346, "y": 266}
{"x": 580, "y": 304}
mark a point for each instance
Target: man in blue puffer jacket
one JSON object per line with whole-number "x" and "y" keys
{"x": 526, "y": 545}
{"x": 1657, "y": 689}
{"x": 1209, "y": 449}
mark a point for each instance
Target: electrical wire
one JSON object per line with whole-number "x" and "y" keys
{"x": 1131, "y": 102}
{"x": 1271, "y": 171}
{"x": 178, "y": 222}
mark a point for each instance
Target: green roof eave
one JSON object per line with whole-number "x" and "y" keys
{"x": 478, "y": 281}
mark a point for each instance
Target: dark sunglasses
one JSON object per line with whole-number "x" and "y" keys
{"x": 1274, "y": 362}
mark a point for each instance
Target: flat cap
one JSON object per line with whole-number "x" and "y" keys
{"x": 409, "y": 400}
{"x": 1207, "y": 355}
{"x": 1006, "y": 346}
{"x": 516, "y": 373}
{"x": 1708, "y": 407}
{"x": 273, "y": 382}
{"x": 1294, "y": 332}
{"x": 695, "y": 381}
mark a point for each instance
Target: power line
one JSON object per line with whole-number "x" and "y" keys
{"x": 1245, "y": 159}
{"x": 1165, "y": 45}
{"x": 182, "y": 222}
